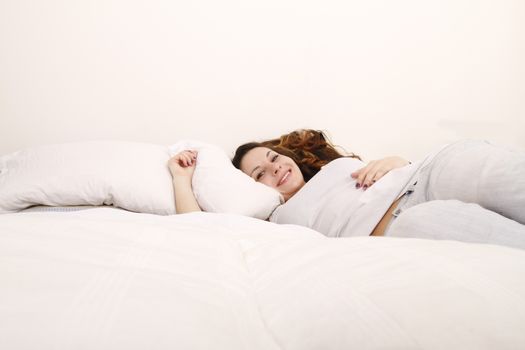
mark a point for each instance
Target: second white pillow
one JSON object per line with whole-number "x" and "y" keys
{"x": 219, "y": 187}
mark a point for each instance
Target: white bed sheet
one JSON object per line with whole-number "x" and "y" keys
{"x": 110, "y": 279}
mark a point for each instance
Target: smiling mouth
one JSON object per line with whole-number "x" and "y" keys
{"x": 284, "y": 178}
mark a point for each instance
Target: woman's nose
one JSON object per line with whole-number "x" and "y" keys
{"x": 276, "y": 168}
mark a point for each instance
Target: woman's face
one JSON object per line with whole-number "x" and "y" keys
{"x": 274, "y": 170}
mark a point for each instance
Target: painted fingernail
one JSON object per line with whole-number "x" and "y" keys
{"x": 365, "y": 187}
{"x": 357, "y": 185}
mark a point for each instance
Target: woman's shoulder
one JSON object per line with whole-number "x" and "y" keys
{"x": 344, "y": 163}
{"x": 337, "y": 170}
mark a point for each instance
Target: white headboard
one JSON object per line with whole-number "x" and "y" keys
{"x": 382, "y": 77}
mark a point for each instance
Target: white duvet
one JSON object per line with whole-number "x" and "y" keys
{"x": 110, "y": 279}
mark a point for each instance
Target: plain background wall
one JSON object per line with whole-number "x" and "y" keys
{"x": 382, "y": 77}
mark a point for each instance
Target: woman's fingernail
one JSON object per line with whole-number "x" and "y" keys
{"x": 365, "y": 187}
{"x": 357, "y": 185}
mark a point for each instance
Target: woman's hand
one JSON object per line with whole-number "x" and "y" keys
{"x": 183, "y": 164}
{"x": 376, "y": 169}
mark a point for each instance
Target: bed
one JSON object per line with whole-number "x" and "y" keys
{"x": 87, "y": 263}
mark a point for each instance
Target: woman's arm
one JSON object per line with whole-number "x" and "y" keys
{"x": 376, "y": 169}
{"x": 182, "y": 166}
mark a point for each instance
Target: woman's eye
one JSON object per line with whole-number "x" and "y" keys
{"x": 274, "y": 158}
{"x": 259, "y": 176}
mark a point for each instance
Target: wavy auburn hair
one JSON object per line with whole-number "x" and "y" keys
{"x": 309, "y": 149}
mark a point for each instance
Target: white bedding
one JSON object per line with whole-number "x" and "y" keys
{"x": 110, "y": 279}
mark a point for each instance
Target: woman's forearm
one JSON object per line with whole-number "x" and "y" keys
{"x": 376, "y": 169}
{"x": 185, "y": 201}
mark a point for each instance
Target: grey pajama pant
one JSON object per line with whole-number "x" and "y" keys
{"x": 471, "y": 191}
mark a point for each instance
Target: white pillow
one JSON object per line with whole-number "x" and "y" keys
{"x": 130, "y": 175}
{"x": 221, "y": 188}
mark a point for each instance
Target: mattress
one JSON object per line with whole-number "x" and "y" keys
{"x": 107, "y": 278}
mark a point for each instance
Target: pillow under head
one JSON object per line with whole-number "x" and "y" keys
{"x": 220, "y": 187}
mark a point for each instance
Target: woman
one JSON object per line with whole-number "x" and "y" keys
{"x": 288, "y": 163}
{"x": 470, "y": 191}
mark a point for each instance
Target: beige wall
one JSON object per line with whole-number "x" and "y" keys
{"x": 381, "y": 76}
